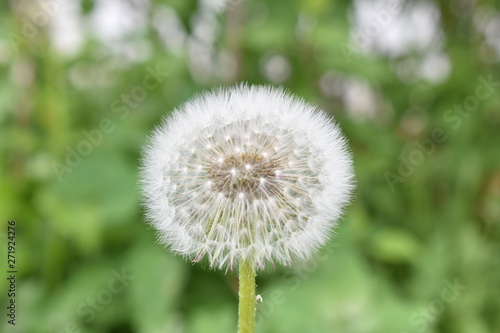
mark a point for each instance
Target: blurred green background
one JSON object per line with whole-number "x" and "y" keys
{"x": 415, "y": 86}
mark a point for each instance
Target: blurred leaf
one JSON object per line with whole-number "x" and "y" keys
{"x": 394, "y": 246}
{"x": 158, "y": 283}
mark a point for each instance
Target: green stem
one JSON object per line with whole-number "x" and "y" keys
{"x": 246, "y": 307}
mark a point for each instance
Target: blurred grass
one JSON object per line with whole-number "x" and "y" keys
{"x": 397, "y": 245}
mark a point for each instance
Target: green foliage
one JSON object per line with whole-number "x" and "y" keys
{"x": 70, "y": 145}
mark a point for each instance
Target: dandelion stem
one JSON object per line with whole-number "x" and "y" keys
{"x": 246, "y": 308}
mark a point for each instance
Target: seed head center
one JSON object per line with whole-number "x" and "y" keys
{"x": 245, "y": 176}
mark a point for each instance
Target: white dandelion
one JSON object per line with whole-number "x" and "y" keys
{"x": 246, "y": 174}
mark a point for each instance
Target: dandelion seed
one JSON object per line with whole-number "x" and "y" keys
{"x": 246, "y": 174}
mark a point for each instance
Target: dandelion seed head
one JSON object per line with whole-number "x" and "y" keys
{"x": 246, "y": 172}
